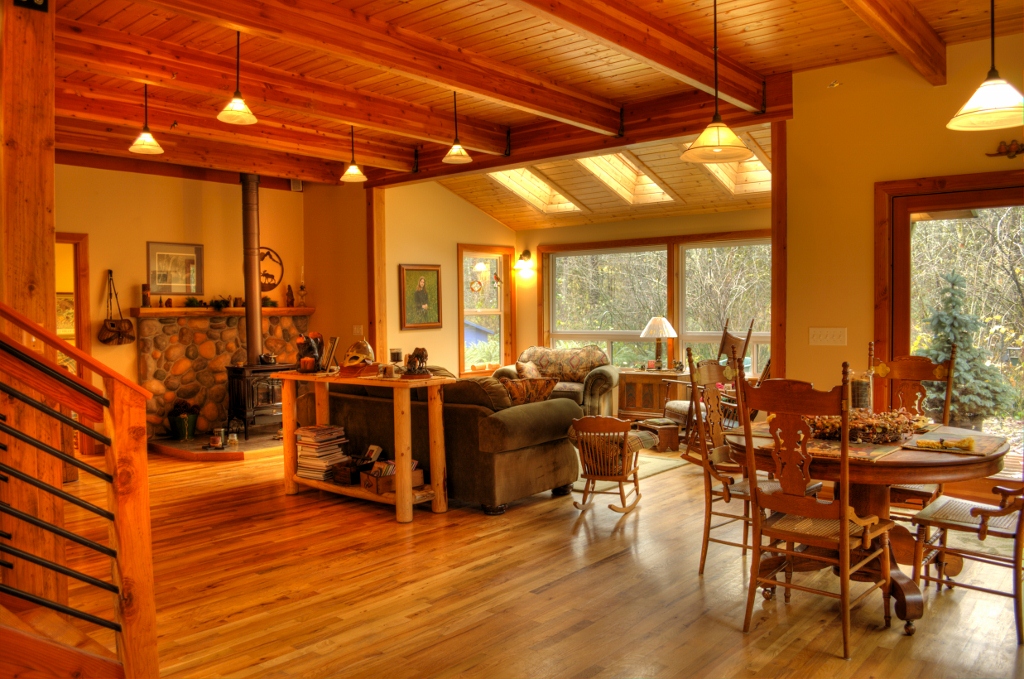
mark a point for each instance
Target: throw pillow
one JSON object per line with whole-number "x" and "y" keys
{"x": 528, "y": 391}
{"x": 528, "y": 371}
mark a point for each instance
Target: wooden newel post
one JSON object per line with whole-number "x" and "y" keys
{"x": 131, "y": 533}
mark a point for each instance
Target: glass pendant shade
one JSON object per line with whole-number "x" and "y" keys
{"x": 236, "y": 112}
{"x": 353, "y": 174}
{"x": 457, "y": 155}
{"x": 716, "y": 144}
{"x": 146, "y": 144}
{"x": 996, "y": 105}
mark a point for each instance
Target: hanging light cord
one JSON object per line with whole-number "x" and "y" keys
{"x": 992, "y": 34}
{"x": 715, "y": 19}
{"x": 455, "y": 114}
{"x": 145, "y": 107}
{"x": 238, "y": 59}
{"x": 353, "y": 137}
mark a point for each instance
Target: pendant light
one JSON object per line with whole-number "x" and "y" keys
{"x": 145, "y": 144}
{"x": 236, "y": 112}
{"x": 717, "y": 143}
{"x": 997, "y": 104}
{"x": 456, "y": 154}
{"x": 352, "y": 172}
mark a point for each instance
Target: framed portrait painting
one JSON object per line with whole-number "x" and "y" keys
{"x": 419, "y": 288}
{"x": 175, "y": 268}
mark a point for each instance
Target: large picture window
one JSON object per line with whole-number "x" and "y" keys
{"x": 726, "y": 282}
{"x": 606, "y": 297}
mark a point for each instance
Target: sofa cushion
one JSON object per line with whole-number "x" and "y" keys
{"x": 528, "y": 371}
{"x": 521, "y": 392}
{"x": 478, "y": 391}
{"x": 527, "y": 425}
{"x": 565, "y": 365}
{"x": 573, "y": 390}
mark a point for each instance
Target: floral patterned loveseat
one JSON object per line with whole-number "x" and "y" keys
{"x": 584, "y": 375}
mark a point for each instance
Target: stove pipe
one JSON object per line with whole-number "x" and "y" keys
{"x": 251, "y": 267}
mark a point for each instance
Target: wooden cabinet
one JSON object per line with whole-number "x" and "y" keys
{"x": 643, "y": 393}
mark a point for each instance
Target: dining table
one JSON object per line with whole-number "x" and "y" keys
{"x": 873, "y": 468}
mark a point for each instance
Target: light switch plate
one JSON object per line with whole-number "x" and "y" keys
{"x": 358, "y": 330}
{"x": 835, "y": 337}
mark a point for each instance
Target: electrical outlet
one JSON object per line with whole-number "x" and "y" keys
{"x": 357, "y": 330}
{"x": 835, "y": 337}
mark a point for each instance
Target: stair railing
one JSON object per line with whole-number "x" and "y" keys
{"x": 121, "y": 406}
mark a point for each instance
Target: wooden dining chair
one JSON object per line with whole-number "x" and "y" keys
{"x": 605, "y": 455}
{"x": 905, "y": 375}
{"x": 712, "y": 451}
{"x": 832, "y": 531}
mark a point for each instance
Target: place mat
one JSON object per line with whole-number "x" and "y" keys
{"x": 869, "y": 452}
{"x": 983, "y": 444}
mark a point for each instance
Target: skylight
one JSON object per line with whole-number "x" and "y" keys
{"x": 742, "y": 178}
{"x": 533, "y": 190}
{"x": 620, "y": 174}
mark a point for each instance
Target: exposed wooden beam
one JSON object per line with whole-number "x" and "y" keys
{"x": 113, "y": 53}
{"x": 629, "y": 30}
{"x": 903, "y": 27}
{"x": 673, "y": 117}
{"x": 320, "y": 25}
{"x": 756, "y": 149}
{"x": 121, "y": 107}
{"x": 139, "y": 166}
{"x": 543, "y": 176}
{"x": 114, "y": 140}
{"x": 647, "y": 170}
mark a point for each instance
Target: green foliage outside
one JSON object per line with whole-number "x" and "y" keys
{"x": 487, "y": 298}
{"x": 981, "y": 391}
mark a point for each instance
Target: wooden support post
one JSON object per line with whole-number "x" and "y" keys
{"x": 289, "y": 415}
{"x": 323, "y": 402}
{"x": 779, "y": 248}
{"x": 27, "y": 274}
{"x": 403, "y": 456}
{"x": 130, "y": 532}
{"x": 438, "y": 466}
{"x": 375, "y": 273}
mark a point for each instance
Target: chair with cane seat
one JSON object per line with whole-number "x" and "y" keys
{"x": 605, "y": 455}
{"x": 832, "y": 531}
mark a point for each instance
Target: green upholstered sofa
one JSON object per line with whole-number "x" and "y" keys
{"x": 584, "y": 376}
{"x": 496, "y": 453}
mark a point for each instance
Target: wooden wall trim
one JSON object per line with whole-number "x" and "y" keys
{"x": 96, "y": 161}
{"x": 83, "y": 307}
{"x": 886, "y": 195}
{"x": 780, "y": 244}
{"x": 376, "y": 280}
{"x": 656, "y": 240}
{"x": 508, "y": 317}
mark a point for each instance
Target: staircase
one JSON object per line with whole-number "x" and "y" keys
{"x": 36, "y": 395}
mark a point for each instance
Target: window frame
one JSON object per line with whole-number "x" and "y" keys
{"x": 507, "y": 312}
{"x": 740, "y": 328}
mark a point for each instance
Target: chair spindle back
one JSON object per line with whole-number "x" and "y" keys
{"x": 906, "y": 374}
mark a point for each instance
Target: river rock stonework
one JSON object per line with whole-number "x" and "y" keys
{"x": 187, "y": 358}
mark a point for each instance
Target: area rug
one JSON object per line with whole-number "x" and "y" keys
{"x": 650, "y": 465}
{"x": 962, "y": 540}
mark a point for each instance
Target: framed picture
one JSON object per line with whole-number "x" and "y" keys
{"x": 175, "y": 268}
{"x": 419, "y": 299}
{"x": 66, "y": 315}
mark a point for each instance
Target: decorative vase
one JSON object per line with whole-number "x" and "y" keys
{"x": 184, "y": 427}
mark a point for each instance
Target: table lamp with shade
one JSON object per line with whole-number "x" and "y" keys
{"x": 658, "y": 328}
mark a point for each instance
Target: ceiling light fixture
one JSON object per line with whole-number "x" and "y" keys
{"x": 717, "y": 143}
{"x": 456, "y": 154}
{"x": 145, "y": 144}
{"x": 236, "y": 112}
{"x": 352, "y": 172}
{"x": 996, "y": 104}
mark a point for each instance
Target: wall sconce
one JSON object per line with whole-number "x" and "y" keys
{"x": 524, "y": 265}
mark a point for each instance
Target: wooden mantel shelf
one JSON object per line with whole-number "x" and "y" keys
{"x": 190, "y": 311}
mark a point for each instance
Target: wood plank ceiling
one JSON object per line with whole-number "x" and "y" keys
{"x": 537, "y": 80}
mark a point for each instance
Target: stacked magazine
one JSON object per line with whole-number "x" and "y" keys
{"x": 320, "y": 449}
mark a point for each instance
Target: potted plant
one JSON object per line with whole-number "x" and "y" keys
{"x": 979, "y": 389}
{"x": 183, "y": 418}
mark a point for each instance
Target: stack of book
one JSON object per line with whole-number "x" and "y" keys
{"x": 320, "y": 449}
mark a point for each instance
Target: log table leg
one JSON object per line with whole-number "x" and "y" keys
{"x": 289, "y": 413}
{"x": 438, "y": 466}
{"x": 403, "y": 456}
{"x": 323, "y": 402}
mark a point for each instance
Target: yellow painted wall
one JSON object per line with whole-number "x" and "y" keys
{"x": 334, "y": 219}
{"x": 526, "y": 286}
{"x": 424, "y": 223}
{"x": 121, "y": 211}
{"x": 64, "y": 267}
{"x": 883, "y": 122}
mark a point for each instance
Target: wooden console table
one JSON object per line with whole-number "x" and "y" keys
{"x": 404, "y": 496}
{"x": 642, "y": 393}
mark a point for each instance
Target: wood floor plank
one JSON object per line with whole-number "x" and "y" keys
{"x": 255, "y": 583}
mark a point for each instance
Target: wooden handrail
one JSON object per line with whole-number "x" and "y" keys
{"x": 50, "y": 339}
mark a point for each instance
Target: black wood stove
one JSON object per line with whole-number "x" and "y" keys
{"x": 253, "y": 393}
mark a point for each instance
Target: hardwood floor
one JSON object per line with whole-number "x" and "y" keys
{"x": 254, "y": 583}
